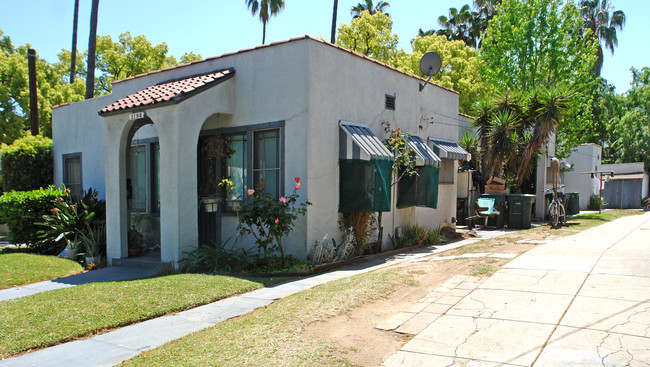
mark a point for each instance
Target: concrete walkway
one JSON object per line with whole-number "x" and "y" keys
{"x": 112, "y": 348}
{"x": 582, "y": 300}
{"x": 110, "y": 274}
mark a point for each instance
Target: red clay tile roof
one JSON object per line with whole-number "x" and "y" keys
{"x": 170, "y": 91}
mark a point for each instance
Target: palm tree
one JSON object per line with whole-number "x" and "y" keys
{"x": 600, "y": 17}
{"x": 73, "y": 60}
{"x": 457, "y": 24}
{"x": 368, "y": 6}
{"x": 92, "y": 42}
{"x": 267, "y": 9}
{"x": 334, "y": 13}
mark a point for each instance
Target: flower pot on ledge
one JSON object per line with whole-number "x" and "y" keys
{"x": 210, "y": 205}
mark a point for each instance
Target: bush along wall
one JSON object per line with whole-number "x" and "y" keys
{"x": 21, "y": 210}
{"x": 27, "y": 164}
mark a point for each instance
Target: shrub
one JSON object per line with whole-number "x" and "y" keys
{"x": 415, "y": 233}
{"x": 27, "y": 164}
{"x": 270, "y": 220}
{"x": 21, "y": 210}
{"x": 595, "y": 202}
{"x": 325, "y": 251}
{"x": 215, "y": 258}
{"x": 69, "y": 220}
{"x": 362, "y": 225}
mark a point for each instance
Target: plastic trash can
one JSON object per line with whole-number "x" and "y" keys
{"x": 500, "y": 205}
{"x": 520, "y": 208}
{"x": 572, "y": 203}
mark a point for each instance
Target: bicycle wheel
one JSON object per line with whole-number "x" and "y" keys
{"x": 553, "y": 214}
{"x": 562, "y": 214}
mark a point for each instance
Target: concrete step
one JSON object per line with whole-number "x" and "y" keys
{"x": 146, "y": 261}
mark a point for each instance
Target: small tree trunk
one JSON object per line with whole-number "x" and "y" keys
{"x": 33, "y": 98}
{"x": 73, "y": 60}
{"x": 281, "y": 250}
{"x": 380, "y": 234}
{"x": 334, "y": 13}
{"x": 92, "y": 42}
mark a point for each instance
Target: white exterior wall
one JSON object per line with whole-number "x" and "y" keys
{"x": 77, "y": 128}
{"x": 586, "y": 158}
{"x": 305, "y": 83}
{"x": 343, "y": 86}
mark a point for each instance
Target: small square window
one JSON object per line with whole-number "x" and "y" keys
{"x": 390, "y": 102}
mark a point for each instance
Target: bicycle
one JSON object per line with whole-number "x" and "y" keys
{"x": 556, "y": 211}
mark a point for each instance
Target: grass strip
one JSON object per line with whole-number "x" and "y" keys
{"x": 20, "y": 268}
{"x": 271, "y": 336}
{"x": 56, "y": 316}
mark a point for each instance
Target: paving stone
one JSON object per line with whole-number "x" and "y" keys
{"x": 437, "y": 308}
{"x": 482, "y": 339}
{"x": 152, "y": 333}
{"x": 612, "y": 315}
{"x": 458, "y": 292}
{"x": 95, "y": 353}
{"x": 535, "y": 281}
{"x": 478, "y": 254}
{"x": 501, "y": 255}
{"x": 448, "y": 300}
{"x": 629, "y": 288}
{"x": 417, "y": 323}
{"x": 570, "y": 347}
{"x": 395, "y": 321}
{"x": 513, "y": 305}
{"x": 417, "y": 307}
{"x": 409, "y": 359}
{"x": 220, "y": 311}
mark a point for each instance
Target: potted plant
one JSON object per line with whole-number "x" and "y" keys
{"x": 211, "y": 202}
{"x": 71, "y": 249}
{"x": 142, "y": 221}
{"x": 136, "y": 242}
{"x": 94, "y": 238}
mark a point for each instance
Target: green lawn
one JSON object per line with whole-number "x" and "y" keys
{"x": 270, "y": 336}
{"x": 19, "y": 268}
{"x": 56, "y": 316}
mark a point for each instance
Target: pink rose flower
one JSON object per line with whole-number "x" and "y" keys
{"x": 250, "y": 192}
{"x": 283, "y": 200}
{"x": 277, "y": 221}
{"x": 298, "y": 186}
{"x": 297, "y": 179}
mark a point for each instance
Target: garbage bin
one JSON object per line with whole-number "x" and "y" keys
{"x": 520, "y": 207}
{"x": 572, "y": 203}
{"x": 500, "y": 205}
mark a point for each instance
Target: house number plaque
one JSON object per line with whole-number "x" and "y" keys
{"x": 137, "y": 115}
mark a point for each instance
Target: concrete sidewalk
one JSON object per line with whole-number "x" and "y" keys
{"x": 112, "y": 348}
{"x": 582, "y": 300}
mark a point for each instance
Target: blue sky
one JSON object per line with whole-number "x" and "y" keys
{"x": 212, "y": 28}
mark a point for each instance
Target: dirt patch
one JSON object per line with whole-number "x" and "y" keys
{"x": 355, "y": 333}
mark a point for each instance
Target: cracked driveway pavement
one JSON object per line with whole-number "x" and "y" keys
{"x": 582, "y": 300}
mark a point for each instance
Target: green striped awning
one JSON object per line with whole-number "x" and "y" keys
{"x": 447, "y": 149}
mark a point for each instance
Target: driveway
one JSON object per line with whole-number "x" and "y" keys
{"x": 582, "y": 300}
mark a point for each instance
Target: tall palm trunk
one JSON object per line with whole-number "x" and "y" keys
{"x": 263, "y": 32}
{"x": 92, "y": 42}
{"x": 73, "y": 61}
{"x": 334, "y": 13}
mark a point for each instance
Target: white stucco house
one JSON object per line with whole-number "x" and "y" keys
{"x": 585, "y": 158}
{"x": 296, "y": 108}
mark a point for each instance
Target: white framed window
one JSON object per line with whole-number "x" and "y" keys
{"x": 72, "y": 177}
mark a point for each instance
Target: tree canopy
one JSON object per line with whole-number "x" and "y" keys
{"x": 370, "y": 35}
{"x": 460, "y": 70}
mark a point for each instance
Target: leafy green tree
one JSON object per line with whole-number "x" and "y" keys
{"x": 127, "y": 57}
{"x": 266, "y": 9}
{"x": 514, "y": 126}
{"x": 630, "y": 133}
{"x": 540, "y": 43}
{"x": 371, "y": 8}
{"x": 189, "y": 57}
{"x": 370, "y": 35}
{"x": 602, "y": 20}
{"x": 460, "y": 70}
{"x": 52, "y": 84}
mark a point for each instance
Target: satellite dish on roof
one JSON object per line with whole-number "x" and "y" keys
{"x": 429, "y": 65}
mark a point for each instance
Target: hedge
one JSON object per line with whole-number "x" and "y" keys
{"x": 21, "y": 210}
{"x": 27, "y": 164}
